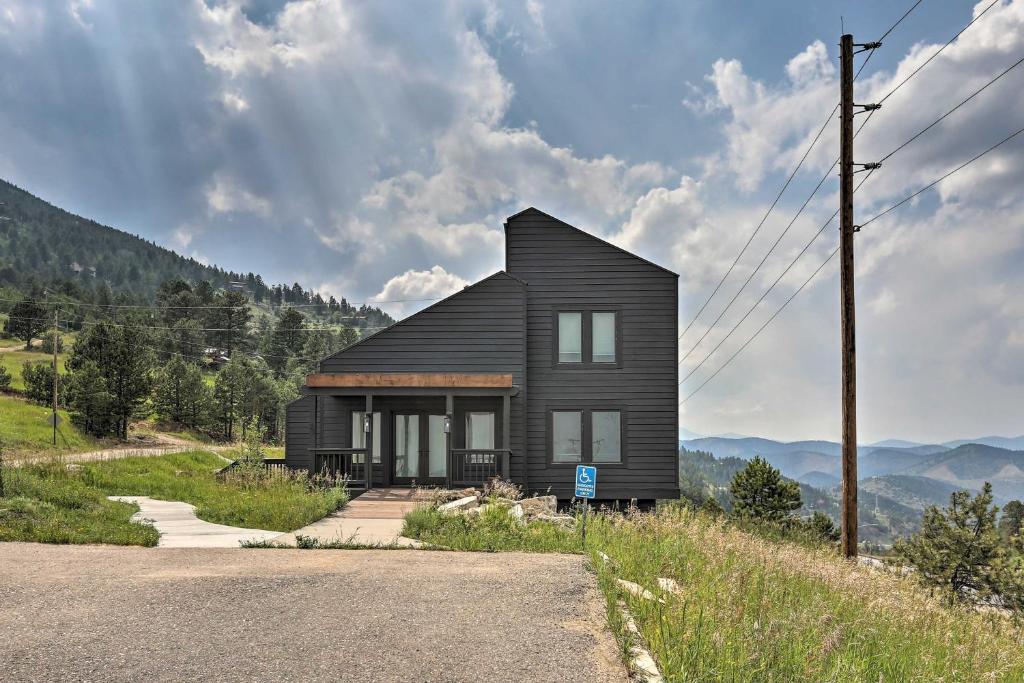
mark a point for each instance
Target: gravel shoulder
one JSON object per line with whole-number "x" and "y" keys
{"x": 102, "y": 613}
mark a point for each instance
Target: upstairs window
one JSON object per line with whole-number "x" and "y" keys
{"x": 570, "y": 337}
{"x": 587, "y": 337}
{"x": 602, "y": 328}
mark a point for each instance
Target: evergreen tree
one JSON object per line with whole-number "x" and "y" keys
{"x": 230, "y": 320}
{"x": 288, "y": 339}
{"x": 228, "y": 393}
{"x": 27, "y": 319}
{"x": 1012, "y": 519}
{"x": 125, "y": 361}
{"x": 956, "y": 546}
{"x": 5, "y": 379}
{"x": 91, "y": 402}
{"x": 760, "y": 492}
{"x": 38, "y": 378}
{"x": 179, "y": 393}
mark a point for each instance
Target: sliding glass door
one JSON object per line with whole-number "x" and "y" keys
{"x": 420, "y": 448}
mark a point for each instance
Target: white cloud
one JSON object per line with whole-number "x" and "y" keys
{"x": 225, "y": 195}
{"x": 234, "y": 102}
{"x": 406, "y": 291}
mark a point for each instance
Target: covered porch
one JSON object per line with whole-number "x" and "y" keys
{"x": 386, "y": 429}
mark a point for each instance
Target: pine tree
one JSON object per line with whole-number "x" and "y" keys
{"x": 26, "y": 320}
{"x": 91, "y": 401}
{"x": 1012, "y": 520}
{"x": 956, "y": 546}
{"x": 759, "y": 492}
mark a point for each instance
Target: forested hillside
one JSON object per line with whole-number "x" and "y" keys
{"x": 45, "y": 247}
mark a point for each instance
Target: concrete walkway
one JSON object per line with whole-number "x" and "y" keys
{"x": 373, "y": 518}
{"x": 180, "y": 528}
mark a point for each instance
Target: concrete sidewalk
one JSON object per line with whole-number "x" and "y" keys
{"x": 180, "y": 528}
{"x": 373, "y": 518}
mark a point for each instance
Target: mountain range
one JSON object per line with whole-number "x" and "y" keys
{"x": 913, "y": 474}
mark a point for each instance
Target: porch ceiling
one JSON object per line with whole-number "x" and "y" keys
{"x": 410, "y": 380}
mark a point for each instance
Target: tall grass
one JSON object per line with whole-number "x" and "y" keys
{"x": 753, "y": 609}
{"x": 495, "y": 529}
{"x": 278, "y": 502}
{"x": 48, "y": 502}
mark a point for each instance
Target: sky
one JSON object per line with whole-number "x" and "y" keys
{"x": 372, "y": 150}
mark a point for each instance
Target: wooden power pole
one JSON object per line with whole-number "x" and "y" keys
{"x": 56, "y": 340}
{"x": 848, "y": 525}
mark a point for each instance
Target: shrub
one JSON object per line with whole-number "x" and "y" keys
{"x": 5, "y": 379}
{"x": 39, "y": 383}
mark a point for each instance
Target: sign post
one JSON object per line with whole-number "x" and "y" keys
{"x": 586, "y": 488}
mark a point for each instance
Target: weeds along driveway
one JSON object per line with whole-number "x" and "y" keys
{"x": 102, "y": 613}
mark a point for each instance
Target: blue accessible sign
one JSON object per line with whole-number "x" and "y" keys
{"x": 586, "y": 481}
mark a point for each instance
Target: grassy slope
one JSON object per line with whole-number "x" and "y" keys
{"x": 24, "y": 430}
{"x": 755, "y": 610}
{"x": 49, "y": 503}
{"x": 492, "y": 531}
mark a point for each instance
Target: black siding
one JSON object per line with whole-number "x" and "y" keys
{"x": 299, "y": 438}
{"x": 480, "y": 329}
{"x": 564, "y": 267}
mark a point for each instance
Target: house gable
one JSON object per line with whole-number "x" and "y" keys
{"x": 481, "y": 328}
{"x": 561, "y": 240}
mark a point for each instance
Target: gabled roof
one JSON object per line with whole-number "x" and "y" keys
{"x": 500, "y": 274}
{"x": 532, "y": 211}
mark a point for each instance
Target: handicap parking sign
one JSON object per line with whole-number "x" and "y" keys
{"x": 586, "y": 481}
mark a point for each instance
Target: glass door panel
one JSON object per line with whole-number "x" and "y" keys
{"x": 437, "y": 445}
{"x": 407, "y": 446}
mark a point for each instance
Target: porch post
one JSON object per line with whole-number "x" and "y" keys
{"x": 449, "y": 415}
{"x": 368, "y": 456}
{"x": 506, "y": 436}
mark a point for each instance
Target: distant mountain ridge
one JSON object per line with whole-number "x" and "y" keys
{"x": 942, "y": 467}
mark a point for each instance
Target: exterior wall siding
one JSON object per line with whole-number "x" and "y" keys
{"x": 480, "y": 329}
{"x": 565, "y": 268}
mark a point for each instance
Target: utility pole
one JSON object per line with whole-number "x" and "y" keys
{"x": 56, "y": 340}
{"x": 848, "y": 523}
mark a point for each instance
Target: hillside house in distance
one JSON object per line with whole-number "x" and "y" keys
{"x": 567, "y": 356}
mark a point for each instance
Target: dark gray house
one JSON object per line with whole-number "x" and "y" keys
{"x": 567, "y": 356}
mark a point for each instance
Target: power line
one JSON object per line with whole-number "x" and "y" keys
{"x": 939, "y": 180}
{"x": 238, "y": 307}
{"x": 196, "y": 329}
{"x": 771, "y": 287}
{"x": 871, "y": 52}
{"x": 814, "y": 192}
{"x": 939, "y": 51}
{"x": 834, "y": 252}
{"x": 962, "y": 103}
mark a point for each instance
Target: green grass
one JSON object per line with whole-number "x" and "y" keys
{"x": 14, "y": 360}
{"x": 24, "y": 430}
{"x": 47, "y": 502}
{"x": 493, "y": 530}
{"x": 280, "y": 503}
{"x": 752, "y": 609}
{"x": 755, "y": 608}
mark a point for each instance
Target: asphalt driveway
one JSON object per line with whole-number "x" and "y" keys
{"x": 101, "y": 613}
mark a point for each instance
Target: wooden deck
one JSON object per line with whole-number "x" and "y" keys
{"x": 383, "y": 503}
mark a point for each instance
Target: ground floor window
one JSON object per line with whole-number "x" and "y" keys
{"x": 480, "y": 431}
{"x": 359, "y": 436}
{"x": 585, "y": 435}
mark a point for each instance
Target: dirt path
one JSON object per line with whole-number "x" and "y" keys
{"x": 102, "y": 613}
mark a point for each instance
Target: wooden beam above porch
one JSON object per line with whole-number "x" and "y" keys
{"x": 419, "y": 380}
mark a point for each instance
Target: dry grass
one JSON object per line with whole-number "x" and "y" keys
{"x": 753, "y": 609}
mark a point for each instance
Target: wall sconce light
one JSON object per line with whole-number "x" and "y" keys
{"x": 366, "y": 423}
{"x": 447, "y": 424}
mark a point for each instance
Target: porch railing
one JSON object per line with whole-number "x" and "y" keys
{"x": 342, "y": 462}
{"x": 476, "y": 466}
